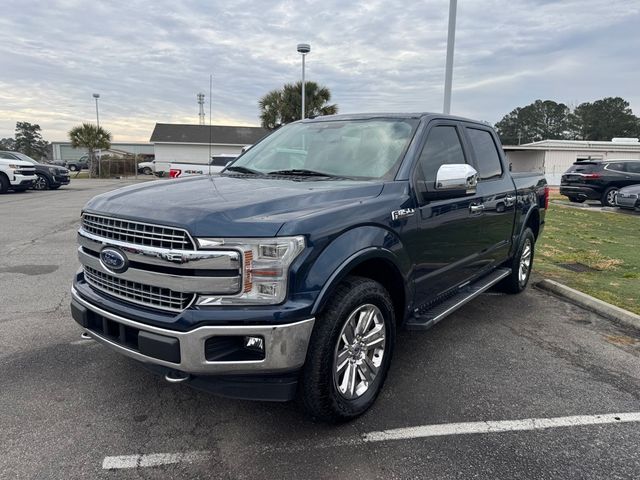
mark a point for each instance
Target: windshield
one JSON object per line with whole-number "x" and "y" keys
{"x": 22, "y": 156}
{"x": 343, "y": 148}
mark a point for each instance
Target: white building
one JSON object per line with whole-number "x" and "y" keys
{"x": 554, "y": 157}
{"x": 195, "y": 143}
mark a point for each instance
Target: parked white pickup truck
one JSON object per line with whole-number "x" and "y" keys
{"x": 181, "y": 169}
{"x": 16, "y": 175}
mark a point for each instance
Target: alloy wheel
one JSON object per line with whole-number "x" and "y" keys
{"x": 525, "y": 262}
{"x": 40, "y": 183}
{"x": 359, "y": 351}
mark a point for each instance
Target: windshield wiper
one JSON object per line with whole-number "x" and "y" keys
{"x": 241, "y": 169}
{"x": 301, "y": 172}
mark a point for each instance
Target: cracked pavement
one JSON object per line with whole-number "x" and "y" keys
{"x": 66, "y": 404}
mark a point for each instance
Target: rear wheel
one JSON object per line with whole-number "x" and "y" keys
{"x": 73, "y": 168}
{"x": 349, "y": 352}
{"x": 609, "y": 197}
{"x": 576, "y": 200}
{"x": 520, "y": 265}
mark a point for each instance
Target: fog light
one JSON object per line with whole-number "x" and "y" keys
{"x": 254, "y": 343}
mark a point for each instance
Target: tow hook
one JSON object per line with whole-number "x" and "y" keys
{"x": 176, "y": 376}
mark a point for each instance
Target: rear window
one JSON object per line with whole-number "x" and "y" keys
{"x": 583, "y": 167}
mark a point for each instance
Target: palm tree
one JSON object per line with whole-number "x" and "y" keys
{"x": 279, "y": 107}
{"x": 92, "y": 138}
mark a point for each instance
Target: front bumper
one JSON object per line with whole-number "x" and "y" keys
{"x": 62, "y": 179}
{"x": 285, "y": 346}
{"x": 630, "y": 201}
{"x": 22, "y": 180}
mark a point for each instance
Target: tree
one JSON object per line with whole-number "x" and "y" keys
{"x": 7, "y": 144}
{"x": 279, "y": 107}
{"x": 605, "y": 119}
{"x": 540, "y": 120}
{"x": 29, "y": 140}
{"x": 92, "y": 138}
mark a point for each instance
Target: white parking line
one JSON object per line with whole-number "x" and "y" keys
{"x": 408, "y": 433}
{"x": 151, "y": 460}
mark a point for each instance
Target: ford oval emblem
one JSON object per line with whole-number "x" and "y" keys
{"x": 114, "y": 260}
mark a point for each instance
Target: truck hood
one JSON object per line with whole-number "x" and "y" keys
{"x": 11, "y": 161}
{"x": 230, "y": 206}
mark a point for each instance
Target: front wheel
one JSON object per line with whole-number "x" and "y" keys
{"x": 41, "y": 183}
{"x": 521, "y": 265}
{"x": 73, "y": 168}
{"x": 349, "y": 352}
{"x": 147, "y": 171}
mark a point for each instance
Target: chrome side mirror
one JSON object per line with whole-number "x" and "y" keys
{"x": 457, "y": 177}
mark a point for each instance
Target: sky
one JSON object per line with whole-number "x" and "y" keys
{"x": 149, "y": 58}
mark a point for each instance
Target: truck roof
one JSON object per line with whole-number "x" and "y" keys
{"x": 367, "y": 116}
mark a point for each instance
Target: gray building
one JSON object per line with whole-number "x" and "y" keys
{"x": 63, "y": 151}
{"x": 554, "y": 157}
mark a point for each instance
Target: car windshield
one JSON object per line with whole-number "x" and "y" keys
{"x": 338, "y": 148}
{"x": 22, "y": 156}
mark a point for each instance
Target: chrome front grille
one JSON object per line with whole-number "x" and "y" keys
{"x": 139, "y": 293}
{"x": 137, "y": 233}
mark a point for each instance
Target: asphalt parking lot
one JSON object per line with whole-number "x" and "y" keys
{"x": 70, "y": 408}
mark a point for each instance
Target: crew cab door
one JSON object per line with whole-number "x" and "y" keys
{"x": 445, "y": 246}
{"x": 497, "y": 195}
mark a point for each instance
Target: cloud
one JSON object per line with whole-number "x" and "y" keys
{"x": 149, "y": 59}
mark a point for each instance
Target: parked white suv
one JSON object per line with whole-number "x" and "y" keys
{"x": 16, "y": 175}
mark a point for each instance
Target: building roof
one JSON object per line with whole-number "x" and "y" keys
{"x": 205, "y": 134}
{"x": 620, "y": 146}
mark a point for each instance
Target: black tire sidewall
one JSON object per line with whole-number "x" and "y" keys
{"x": 47, "y": 183}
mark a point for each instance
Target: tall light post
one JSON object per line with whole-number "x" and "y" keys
{"x": 451, "y": 38}
{"x": 303, "y": 49}
{"x": 97, "y": 96}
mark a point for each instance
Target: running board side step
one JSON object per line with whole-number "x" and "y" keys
{"x": 467, "y": 293}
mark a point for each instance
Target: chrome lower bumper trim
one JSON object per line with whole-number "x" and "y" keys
{"x": 285, "y": 345}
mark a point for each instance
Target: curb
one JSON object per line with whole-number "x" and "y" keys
{"x": 590, "y": 303}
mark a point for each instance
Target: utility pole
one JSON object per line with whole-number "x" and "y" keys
{"x": 451, "y": 38}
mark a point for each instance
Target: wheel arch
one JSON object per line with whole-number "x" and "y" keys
{"x": 378, "y": 264}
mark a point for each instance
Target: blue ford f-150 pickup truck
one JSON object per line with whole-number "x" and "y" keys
{"x": 289, "y": 272}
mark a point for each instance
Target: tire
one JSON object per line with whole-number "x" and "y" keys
{"x": 42, "y": 183}
{"x": 326, "y": 395}
{"x": 521, "y": 264}
{"x": 576, "y": 200}
{"x": 4, "y": 183}
{"x": 147, "y": 171}
{"x": 73, "y": 168}
{"x": 609, "y": 197}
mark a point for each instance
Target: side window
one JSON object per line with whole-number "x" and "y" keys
{"x": 616, "y": 166}
{"x": 487, "y": 155}
{"x": 443, "y": 147}
{"x": 633, "y": 167}
{"x": 7, "y": 155}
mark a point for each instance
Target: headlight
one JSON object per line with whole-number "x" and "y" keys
{"x": 53, "y": 169}
{"x": 15, "y": 167}
{"x": 265, "y": 268}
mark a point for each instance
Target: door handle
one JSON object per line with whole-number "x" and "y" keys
{"x": 476, "y": 208}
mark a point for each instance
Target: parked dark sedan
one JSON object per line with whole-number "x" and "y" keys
{"x": 50, "y": 177}
{"x": 599, "y": 180}
{"x": 629, "y": 197}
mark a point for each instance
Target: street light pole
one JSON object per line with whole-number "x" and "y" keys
{"x": 451, "y": 38}
{"x": 303, "y": 48}
{"x": 97, "y": 96}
